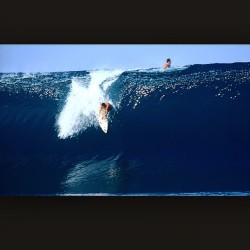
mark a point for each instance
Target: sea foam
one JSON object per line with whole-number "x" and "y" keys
{"x": 80, "y": 109}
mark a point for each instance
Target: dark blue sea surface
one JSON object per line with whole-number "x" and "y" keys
{"x": 179, "y": 132}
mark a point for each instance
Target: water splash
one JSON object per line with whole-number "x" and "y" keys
{"x": 83, "y": 100}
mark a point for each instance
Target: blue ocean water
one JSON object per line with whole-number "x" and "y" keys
{"x": 179, "y": 132}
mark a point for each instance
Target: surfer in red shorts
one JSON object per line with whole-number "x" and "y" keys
{"x": 106, "y": 107}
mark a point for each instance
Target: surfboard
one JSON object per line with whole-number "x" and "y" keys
{"x": 103, "y": 122}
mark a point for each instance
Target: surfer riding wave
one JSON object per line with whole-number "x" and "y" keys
{"x": 106, "y": 107}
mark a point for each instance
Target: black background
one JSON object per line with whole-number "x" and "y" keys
{"x": 125, "y": 222}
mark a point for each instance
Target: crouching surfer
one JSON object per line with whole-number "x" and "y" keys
{"x": 106, "y": 107}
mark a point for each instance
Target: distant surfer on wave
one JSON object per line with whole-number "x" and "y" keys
{"x": 167, "y": 64}
{"x": 106, "y": 107}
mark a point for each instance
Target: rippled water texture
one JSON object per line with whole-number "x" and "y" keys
{"x": 179, "y": 132}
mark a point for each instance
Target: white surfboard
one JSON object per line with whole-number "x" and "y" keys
{"x": 103, "y": 122}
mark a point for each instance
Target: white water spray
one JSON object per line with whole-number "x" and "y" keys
{"x": 82, "y": 103}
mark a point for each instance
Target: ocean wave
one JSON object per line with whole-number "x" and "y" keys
{"x": 178, "y": 131}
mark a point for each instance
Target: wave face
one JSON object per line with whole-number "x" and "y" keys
{"x": 179, "y": 131}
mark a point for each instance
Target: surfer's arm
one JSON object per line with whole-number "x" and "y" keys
{"x": 105, "y": 113}
{"x": 165, "y": 66}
